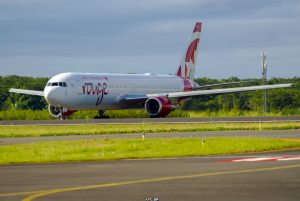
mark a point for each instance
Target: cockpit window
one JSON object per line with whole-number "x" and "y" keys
{"x": 54, "y": 84}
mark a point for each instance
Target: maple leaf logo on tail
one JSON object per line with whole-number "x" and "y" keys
{"x": 187, "y": 65}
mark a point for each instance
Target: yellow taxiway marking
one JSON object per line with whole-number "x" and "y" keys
{"x": 20, "y": 193}
{"x": 54, "y": 191}
{"x": 36, "y": 194}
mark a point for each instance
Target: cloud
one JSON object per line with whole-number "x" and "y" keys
{"x": 148, "y": 36}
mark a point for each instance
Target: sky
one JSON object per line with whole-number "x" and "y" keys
{"x": 48, "y": 37}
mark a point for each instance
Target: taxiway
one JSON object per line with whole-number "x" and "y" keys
{"x": 286, "y": 134}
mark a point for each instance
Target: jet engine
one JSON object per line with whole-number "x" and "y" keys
{"x": 158, "y": 106}
{"x": 59, "y": 112}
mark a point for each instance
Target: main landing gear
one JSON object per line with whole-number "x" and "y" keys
{"x": 62, "y": 117}
{"x": 101, "y": 115}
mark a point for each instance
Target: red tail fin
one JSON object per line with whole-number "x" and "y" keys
{"x": 187, "y": 65}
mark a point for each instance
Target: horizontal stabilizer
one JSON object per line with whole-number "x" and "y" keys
{"x": 27, "y": 92}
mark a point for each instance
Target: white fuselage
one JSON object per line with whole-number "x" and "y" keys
{"x": 103, "y": 91}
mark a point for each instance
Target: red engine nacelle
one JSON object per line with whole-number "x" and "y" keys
{"x": 158, "y": 106}
{"x": 59, "y": 112}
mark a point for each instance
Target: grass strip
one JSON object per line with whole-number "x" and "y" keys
{"x": 113, "y": 149}
{"x": 88, "y": 129}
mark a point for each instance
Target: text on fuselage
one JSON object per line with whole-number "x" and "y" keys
{"x": 100, "y": 89}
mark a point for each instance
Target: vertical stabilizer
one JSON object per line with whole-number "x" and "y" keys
{"x": 187, "y": 65}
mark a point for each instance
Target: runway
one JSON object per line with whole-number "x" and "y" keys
{"x": 177, "y": 179}
{"x": 287, "y": 134}
{"x": 154, "y": 120}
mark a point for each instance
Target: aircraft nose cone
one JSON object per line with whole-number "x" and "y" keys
{"x": 50, "y": 96}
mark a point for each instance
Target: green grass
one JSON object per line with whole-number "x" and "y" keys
{"x": 83, "y": 114}
{"x": 25, "y": 131}
{"x": 108, "y": 149}
{"x": 231, "y": 113}
{"x": 90, "y": 114}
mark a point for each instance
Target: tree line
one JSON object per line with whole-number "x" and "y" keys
{"x": 283, "y": 101}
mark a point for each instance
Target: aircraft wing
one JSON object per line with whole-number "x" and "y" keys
{"x": 28, "y": 92}
{"x": 188, "y": 94}
{"x": 133, "y": 99}
{"x": 217, "y": 85}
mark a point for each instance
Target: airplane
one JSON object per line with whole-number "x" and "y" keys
{"x": 67, "y": 93}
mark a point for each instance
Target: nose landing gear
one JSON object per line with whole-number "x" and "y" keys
{"x": 101, "y": 115}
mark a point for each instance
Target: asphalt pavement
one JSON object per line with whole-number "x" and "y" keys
{"x": 176, "y": 179}
{"x": 287, "y": 134}
{"x": 153, "y": 120}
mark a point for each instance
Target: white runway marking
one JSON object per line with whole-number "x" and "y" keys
{"x": 263, "y": 159}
